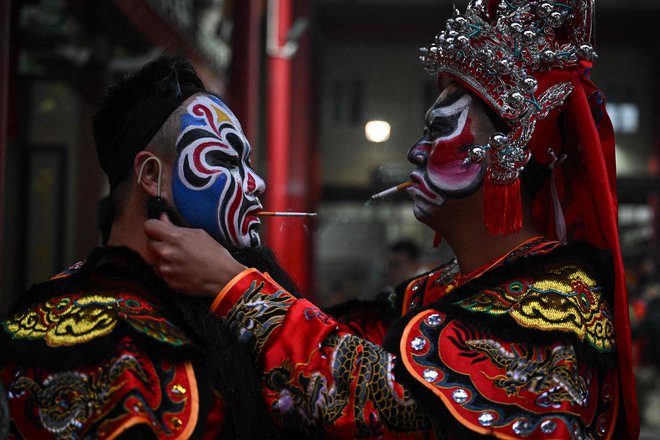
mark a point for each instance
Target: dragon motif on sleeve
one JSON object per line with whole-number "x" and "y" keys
{"x": 551, "y": 374}
{"x": 319, "y": 400}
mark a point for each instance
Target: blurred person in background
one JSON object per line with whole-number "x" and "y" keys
{"x": 526, "y": 333}
{"x": 371, "y": 319}
{"x": 401, "y": 262}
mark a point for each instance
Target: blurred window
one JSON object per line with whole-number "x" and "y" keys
{"x": 624, "y": 116}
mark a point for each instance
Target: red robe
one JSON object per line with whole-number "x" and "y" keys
{"x": 522, "y": 348}
{"x": 95, "y": 353}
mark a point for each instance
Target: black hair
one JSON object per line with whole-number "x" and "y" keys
{"x": 163, "y": 77}
{"x": 150, "y": 96}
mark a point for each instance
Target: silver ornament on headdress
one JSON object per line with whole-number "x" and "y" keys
{"x": 498, "y": 58}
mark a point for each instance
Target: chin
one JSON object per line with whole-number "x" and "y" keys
{"x": 423, "y": 208}
{"x": 420, "y": 213}
{"x": 249, "y": 240}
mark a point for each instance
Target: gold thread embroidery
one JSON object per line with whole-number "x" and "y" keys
{"x": 79, "y": 318}
{"x": 564, "y": 298}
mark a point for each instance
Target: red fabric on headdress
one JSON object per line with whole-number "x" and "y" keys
{"x": 502, "y": 207}
{"x": 586, "y": 184}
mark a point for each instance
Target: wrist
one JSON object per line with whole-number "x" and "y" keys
{"x": 228, "y": 273}
{"x": 233, "y": 290}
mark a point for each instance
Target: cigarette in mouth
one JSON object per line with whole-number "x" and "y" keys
{"x": 285, "y": 214}
{"x": 392, "y": 190}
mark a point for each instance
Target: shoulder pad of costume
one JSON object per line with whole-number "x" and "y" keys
{"x": 508, "y": 389}
{"x": 127, "y": 392}
{"x": 77, "y": 318}
{"x": 561, "y": 295}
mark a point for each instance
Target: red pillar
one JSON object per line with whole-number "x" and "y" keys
{"x": 278, "y": 126}
{"x": 292, "y": 165}
{"x": 303, "y": 185}
{"x": 5, "y": 48}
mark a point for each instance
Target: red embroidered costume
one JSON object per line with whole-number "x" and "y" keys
{"x": 108, "y": 349}
{"x": 101, "y": 352}
{"x": 522, "y": 349}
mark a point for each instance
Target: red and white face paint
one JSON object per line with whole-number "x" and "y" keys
{"x": 453, "y": 125}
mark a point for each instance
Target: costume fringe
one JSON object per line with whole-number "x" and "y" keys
{"x": 502, "y": 207}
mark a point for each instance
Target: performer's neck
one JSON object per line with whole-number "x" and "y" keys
{"x": 128, "y": 230}
{"x": 462, "y": 226}
{"x": 474, "y": 251}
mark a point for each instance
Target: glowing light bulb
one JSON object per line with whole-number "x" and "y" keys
{"x": 377, "y": 131}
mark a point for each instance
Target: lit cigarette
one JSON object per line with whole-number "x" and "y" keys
{"x": 285, "y": 214}
{"x": 392, "y": 190}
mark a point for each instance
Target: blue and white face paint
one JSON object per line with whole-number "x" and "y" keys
{"x": 213, "y": 186}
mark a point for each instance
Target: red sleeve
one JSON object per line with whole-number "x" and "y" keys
{"x": 319, "y": 377}
{"x": 368, "y": 321}
{"x": 127, "y": 391}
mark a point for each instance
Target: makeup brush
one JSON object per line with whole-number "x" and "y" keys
{"x": 285, "y": 214}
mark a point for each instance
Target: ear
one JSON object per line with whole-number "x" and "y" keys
{"x": 148, "y": 169}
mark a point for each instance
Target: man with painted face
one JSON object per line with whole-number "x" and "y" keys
{"x": 106, "y": 349}
{"x": 525, "y": 334}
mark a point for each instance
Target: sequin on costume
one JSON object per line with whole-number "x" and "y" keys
{"x": 508, "y": 388}
{"x": 320, "y": 379}
{"x": 511, "y": 385}
{"x": 324, "y": 401}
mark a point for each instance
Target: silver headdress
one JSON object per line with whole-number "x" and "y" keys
{"x": 504, "y": 54}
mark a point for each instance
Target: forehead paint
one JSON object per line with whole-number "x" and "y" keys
{"x": 203, "y": 146}
{"x": 449, "y": 138}
{"x": 213, "y": 186}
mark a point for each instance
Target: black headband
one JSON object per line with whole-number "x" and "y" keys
{"x": 141, "y": 124}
